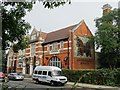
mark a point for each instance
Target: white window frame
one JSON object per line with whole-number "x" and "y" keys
{"x": 33, "y": 49}
{"x": 54, "y": 61}
{"x": 61, "y": 44}
{"x": 48, "y": 47}
{"x": 55, "y": 46}
{"x": 33, "y": 36}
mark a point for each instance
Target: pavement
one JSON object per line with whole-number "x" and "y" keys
{"x": 96, "y": 87}
{"x": 90, "y": 86}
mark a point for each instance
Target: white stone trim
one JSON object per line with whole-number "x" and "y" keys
{"x": 65, "y": 48}
{"x": 27, "y": 53}
{"x": 70, "y": 41}
{"x": 39, "y": 46}
{"x": 52, "y": 52}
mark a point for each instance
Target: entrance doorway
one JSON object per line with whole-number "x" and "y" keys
{"x": 27, "y": 67}
{"x": 55, "y": 61}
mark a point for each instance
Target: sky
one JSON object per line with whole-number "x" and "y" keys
{"x": 48, "y": 20}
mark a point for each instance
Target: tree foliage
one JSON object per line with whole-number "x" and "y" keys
{"x": 54, "y": 3}
{"x": 108, "y": 38}
{"x": 14, "y": 27}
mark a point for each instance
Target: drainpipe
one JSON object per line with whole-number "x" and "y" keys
{"x": 68, "y": 54}
{"x": 43, "y": 56}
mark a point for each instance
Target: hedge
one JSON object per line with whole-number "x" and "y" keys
{"x": 98, "y": 76}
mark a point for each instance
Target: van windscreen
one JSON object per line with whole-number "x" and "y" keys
{"x": 56, "y": 73}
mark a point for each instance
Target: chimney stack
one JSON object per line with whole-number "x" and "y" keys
{"x": 106, "y": 9}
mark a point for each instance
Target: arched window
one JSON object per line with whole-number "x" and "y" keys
{"x": 55, "y": 61}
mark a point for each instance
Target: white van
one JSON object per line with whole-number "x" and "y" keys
{"x": 49, "y": 74}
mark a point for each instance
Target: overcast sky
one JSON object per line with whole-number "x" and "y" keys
{"x": 53, "y": 19}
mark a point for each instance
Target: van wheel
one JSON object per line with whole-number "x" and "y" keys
{"x": 37, "y": 81}
{"x": 51, "y": 83}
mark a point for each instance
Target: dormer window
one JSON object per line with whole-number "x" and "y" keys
{"x": 33, "y": 37}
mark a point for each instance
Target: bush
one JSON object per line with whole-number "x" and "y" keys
{"x": 97, "y": 76}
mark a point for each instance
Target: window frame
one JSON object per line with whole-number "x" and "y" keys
{"x": 33, "y": 49}
{"x": 61, "y": 44}
{"x": 44, "y": 72}
{"x": 48, "y": 47}
{"x": 55, "y": 46}
{"x": 39, "y": 73}
{"x": 35, "y": 72}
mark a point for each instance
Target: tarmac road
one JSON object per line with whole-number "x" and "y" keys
{"x": 28, "y": 84}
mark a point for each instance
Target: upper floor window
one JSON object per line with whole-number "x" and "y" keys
{"x": 61, "y": 44}
{"x": 20, "y": 63}
{"x": 33, "y": 37}
{"x": 55, "y": 46}
{"x": 48, "y": 47}
{"x": 20, "y": 52}
{"x": 33, "y": 49}
{"x": 23, "y": 52}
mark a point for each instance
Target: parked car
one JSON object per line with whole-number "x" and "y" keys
{"x": 2, "y": 77}
{"x": 15, "y": 76}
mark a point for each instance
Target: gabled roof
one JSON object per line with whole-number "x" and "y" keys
{"x": 34, "y": 31}
{"x": 42, "y": 34}
{"x": 59, "y": 34}
{"x": 64, "y": 32}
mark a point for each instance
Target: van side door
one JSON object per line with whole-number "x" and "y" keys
{"x": 49, "y": 76}
{"x": 44, "y": 76}
{"x": 39, "y": 75}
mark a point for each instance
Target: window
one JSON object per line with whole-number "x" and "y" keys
{"x": 33, "y": 37}
{"x": 37, "y": 34}
{"x": 61, "y": 44}
{"x": 20, "y": 63}
{"x": 33, "y": 49}
{"x": 39, "y": 72}
{"x": 20, "y": 52}
{"x": 48, "y": 47}
{"x": 56, "y": 73}
{"x": 55, "y": 61}
{"x": 49, "y": 73}
{"x": 23, "y": 52}
{"x": 44, "y": 72}
{"x": 35, "y": 72}
{"x": 55, "y": 47}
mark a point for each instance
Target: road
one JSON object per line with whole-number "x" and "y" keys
{"x": 29, "y": 84}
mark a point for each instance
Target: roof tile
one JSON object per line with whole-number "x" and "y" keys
{"x": 59, "y": 34}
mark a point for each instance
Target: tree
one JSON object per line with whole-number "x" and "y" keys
{"x": 14, "y": 27}
{"x": 108, "y": 38}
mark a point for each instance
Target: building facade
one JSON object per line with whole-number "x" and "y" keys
{"x": 67, "y": 48}
{"x": 70, "y": 48}
{"x": 26, "y": 60}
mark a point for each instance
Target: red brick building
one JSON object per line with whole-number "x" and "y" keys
{"x": 65, "y": 48}
{"x": 33, "y": 54}
{"x": 25, "y": 60}
{"x": 70, "y": 48}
